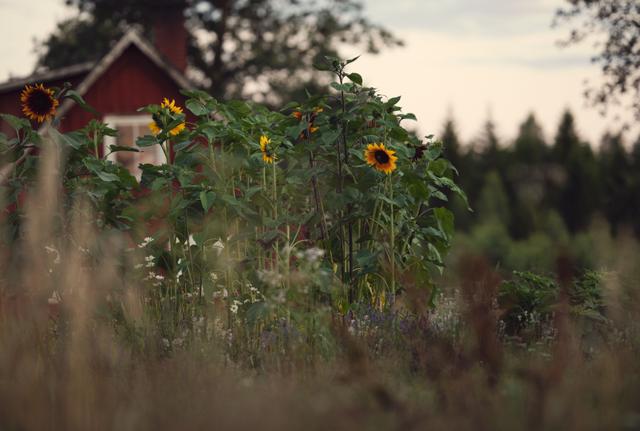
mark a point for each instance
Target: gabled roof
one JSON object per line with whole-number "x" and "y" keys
{"x": 50, "y": 75}
{"x": 97, "y": 69}
{"x": 131, "y": 37}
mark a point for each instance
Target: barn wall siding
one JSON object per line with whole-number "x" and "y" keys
{"x": 131, "y": 82}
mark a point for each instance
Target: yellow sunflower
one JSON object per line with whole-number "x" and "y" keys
{"x": 38, "y": 102}
{"x": 380, "y": 158}
{"x": 156, "y": 126}
{"x": 267, "y": 155}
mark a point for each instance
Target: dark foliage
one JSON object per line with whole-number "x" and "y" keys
{"x": 619, "y": 56}
{"x": 270, "y": 45}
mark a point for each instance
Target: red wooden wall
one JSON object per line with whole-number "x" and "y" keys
{"x": 131, "y": 82}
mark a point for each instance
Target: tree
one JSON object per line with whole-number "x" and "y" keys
{"x": 618, "y": 21}
{"x": 452, "y": 150}
{"x": 635, "y": 187}
{"x": 527, "y": 178}
{"x": 616, "y": 173}
{"x": 574, "y": 188}
{"x": 461, "y": 160}
{"x": 493, "y": 205}
{"x": 530, "y": 147}
{"x": 269, "y": 46}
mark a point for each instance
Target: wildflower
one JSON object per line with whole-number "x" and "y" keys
{"x": 145, "y": 242}
{"x": 267, "y": 155}
{"x": 380, "y": 158}
{"x": 38, "y": 102}
{"x": 234, "y": 307}
{"x": 156, "y": 125}
{"x": 314, "y": 254}
{"x": 218, "y": 246}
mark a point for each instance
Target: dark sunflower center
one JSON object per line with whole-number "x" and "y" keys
{"x": 40, "y": 102}
{"x": 381, "y": 156}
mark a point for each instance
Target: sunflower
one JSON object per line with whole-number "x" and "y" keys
{"x": 156, "y": 125}
{"x": 38, "y": 102}
{"x": 380, "y": 158}
{"x": 267, "y": 155}
{"x": 311, "y": 128}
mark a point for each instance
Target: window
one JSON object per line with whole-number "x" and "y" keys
{"x": 130, "y": 128}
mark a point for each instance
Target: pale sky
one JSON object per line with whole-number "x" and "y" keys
{"x": 467, "y": 58}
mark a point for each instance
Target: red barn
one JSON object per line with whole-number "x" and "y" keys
{"x": 134, "y": 73}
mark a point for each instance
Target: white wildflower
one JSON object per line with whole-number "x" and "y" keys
{"x": 234, "y": 306}
{"x": 145, "y": 242}
{"x": 314, "y": 254}
{"x": 218, "y": 246}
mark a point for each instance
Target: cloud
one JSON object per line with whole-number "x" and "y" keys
{"x": 493, "y": 18}
{"x": 473, "y": 78}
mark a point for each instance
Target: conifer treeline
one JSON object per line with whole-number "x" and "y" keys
{"x": 519, "y": 183}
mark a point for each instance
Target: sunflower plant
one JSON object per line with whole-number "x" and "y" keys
{"x": 259, "y": 217}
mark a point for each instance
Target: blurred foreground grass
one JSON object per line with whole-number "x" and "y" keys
{"x": 93, "y": 359}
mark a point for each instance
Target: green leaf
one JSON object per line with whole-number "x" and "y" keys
{"x": 206, "y": 199}
{"x": 15, "y": 122}
{"x": 408, "y": 117}
{"x": 392, "y": 102}
{"x": 147, "y": 141}
{"x": 445, "y": 220}
{"x": 106, "y": 176}
{"x": 71, "y": 94}
{"x": 342, "y": 87}
{"x": 351, "y": 60}
{"x": 65, "y": 140}
{"x": 198, "y": 107}
{"x": 116, "y": 148}
{"x": 355, "y": 77}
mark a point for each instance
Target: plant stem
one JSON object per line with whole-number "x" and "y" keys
{"x": 95, "y": 144}
{"x": 275, "y": 210}
{"x": 393, "y": 243}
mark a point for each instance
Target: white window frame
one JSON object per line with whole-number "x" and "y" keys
{"x": 140, "y": 123}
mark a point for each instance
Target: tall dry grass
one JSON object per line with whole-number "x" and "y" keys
{"x": 77, "y": 352}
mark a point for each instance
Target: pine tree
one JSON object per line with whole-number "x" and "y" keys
{"x": 574, "y": 187}
{"x": 616, "y": 179}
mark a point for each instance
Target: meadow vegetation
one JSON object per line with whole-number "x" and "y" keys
{"x": 283, "y": 269}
